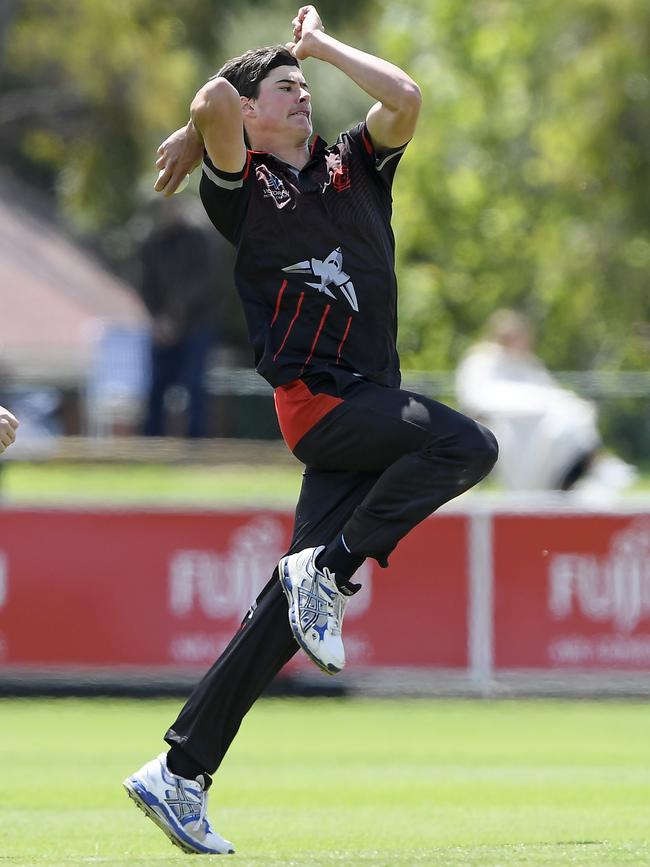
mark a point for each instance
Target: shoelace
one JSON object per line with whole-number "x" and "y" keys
{"x": 336, "y": 606}
{"x": 203, "y": 810}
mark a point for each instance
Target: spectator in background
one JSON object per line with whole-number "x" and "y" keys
{"x": 8, "y": 427}
{"x": 180, "y": 287}
{"x": 547, "y": 435}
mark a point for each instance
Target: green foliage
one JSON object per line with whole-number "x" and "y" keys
{"x": 526, "y": 184}
{"x": 102, "y": 82}
{"x": 128, "y": 72}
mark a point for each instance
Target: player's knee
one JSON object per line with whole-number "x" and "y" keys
{"x": 479, "y": 449}
{"x": 487, "y": 450}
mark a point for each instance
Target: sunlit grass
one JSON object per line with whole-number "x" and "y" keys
{"x": 336, "y": 781}
{"x": 227, "y": 484}
{"x": 206, "y": 485}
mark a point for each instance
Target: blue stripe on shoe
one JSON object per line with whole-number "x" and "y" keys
{"x": 152, "y": 801}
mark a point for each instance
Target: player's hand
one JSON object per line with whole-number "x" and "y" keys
{"x": 8, "y": 426}
{"x": 306, "y": 22}
{"x": 178, "y": 156}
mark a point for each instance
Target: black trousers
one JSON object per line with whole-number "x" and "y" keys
{"x": 376, "y": 465}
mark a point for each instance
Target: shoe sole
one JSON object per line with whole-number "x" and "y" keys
{"x": 287, "y": 586}
{"x": 164, "y": 826}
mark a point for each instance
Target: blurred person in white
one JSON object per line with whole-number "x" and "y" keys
{"x": 548, "y": 435}
{"x": 8, "y": 427}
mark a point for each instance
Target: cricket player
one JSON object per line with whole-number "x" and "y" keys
{"x": 311, "y": 224}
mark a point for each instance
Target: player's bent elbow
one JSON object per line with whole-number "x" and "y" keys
{"x": 215, "y": 97}
{"x": 411, "y": 98}
{"x": 404, "y": 115}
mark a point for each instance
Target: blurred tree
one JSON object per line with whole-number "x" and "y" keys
{"x": 88, "y": 88}
{"x": 527, "y": 183}
{"x": 91, "y": 80}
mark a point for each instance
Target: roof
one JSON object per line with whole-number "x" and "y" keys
{"x": 55, "y": 297}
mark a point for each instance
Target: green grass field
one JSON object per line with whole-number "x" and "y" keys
{"x": 336, "y": 781}
{"x": 229, "y": 484}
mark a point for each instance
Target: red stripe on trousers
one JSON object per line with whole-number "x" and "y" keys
{"x": 278, "y": 302}
{"x": 291, "y": 324}
{"x": 320, "y": 328}
{"x": 345, "y": 337}
{"x": 298, "y": 410}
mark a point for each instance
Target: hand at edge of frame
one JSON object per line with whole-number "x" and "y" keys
{"x": 8, "y": 426}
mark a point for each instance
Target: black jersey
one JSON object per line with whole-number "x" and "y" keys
{"x": 315, "y": 264}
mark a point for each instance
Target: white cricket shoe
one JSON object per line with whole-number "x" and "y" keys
{"x": 177, "y": 806}
{"x": 316, "y": 608}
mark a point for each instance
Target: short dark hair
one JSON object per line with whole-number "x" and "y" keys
{"x": 246, "y": 72}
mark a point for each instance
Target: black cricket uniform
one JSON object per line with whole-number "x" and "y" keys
{"x": 315, "y": 273}
{"x": 315, "y": 258}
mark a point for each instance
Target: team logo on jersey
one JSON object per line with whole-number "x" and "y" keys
{"x": 274, "y": 188}
{"x": 338, "y": 174}
{"x": 330, "y": 273}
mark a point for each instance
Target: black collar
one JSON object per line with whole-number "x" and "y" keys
{"x": 316, "y": 149}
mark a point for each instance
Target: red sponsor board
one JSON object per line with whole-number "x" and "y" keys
{"x": 572, "y": 591}
{"x": 162, "y": 589}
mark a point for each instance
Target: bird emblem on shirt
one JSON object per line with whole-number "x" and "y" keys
{"x": 330, "y": 274}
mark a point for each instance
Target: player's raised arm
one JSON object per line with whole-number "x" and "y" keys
{"x": 8, "y": 426}
{"x": 216, "y": 124}
{"x": 217, "y": 115}
{"x": 391, "y": 121}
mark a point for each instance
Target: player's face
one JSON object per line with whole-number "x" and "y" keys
{"x": 283, "y": 105}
